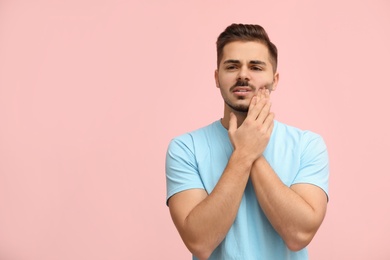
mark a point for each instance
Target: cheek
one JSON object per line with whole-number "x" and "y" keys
{"x": 227, "y": 80}
{"x": 264, "y": 82}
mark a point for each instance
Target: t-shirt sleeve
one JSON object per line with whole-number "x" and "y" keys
{"x": 314, "y": 162}
{"x": 181, "y": 167}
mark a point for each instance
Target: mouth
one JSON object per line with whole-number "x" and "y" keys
{"x": 242, "y": 91}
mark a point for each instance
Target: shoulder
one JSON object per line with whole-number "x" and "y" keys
{"x": 298, "y": 134}
{"x": 304, "y": 143}
{"x": 197, "y": 136}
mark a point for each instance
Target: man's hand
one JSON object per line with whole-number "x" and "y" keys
{"x": 252, "y": 137}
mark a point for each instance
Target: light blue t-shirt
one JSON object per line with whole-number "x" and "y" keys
{"x": 198, "y": 159}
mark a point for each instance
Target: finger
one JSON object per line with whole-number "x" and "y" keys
{"x": 255, "y": 108}
{"x": 264, "y": 111}
{"x": 253, "y": 102}
{"x": 254, "y": 111}
{"x": 269, "y": 123}
{"x": 232, "y": 123}
{"x": 271, "y": 128}
{"x": 262, "y": 93}
{"x": 266, "y": 92}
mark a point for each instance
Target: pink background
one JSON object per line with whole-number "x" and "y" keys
{"x": 91, "y": 92}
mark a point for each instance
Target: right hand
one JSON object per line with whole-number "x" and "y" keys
{"x": 252, "y": 137}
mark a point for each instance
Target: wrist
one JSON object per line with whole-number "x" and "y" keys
{"x": 243, "y": 159}
{"x": 260, "y": 161}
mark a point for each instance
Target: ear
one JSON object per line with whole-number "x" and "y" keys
{"x": 216, "y": 78}
{"x": 275, "y": 82}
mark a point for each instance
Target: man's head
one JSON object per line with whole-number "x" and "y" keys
{"x": 247, "y": 62}
{"x": 245, "y": 33}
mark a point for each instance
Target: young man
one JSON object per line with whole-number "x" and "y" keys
{"x": 247, "y": 186}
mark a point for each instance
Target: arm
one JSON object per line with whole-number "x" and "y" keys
{"x": 204, "y": 220}
{"x": 295, "y": 212}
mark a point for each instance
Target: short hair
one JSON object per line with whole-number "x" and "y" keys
{"x": 246, "y": 32}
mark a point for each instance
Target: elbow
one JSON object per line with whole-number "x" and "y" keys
{"x": 200, "y": 250}
{"x": 202, "y": 255}
{"x": 296, "y": 245}
{"x": 299, "y": 241}
{"x": 201, "y": 247}
{"x": 201, "y": 244}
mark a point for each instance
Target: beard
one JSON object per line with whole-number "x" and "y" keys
{"x": 237, "y": 107}
{"x": 243, "y": 108}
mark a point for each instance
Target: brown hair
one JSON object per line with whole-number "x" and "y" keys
{"x": 246, "y": 32}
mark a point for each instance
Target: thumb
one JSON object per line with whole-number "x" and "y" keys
{"x": 232, "y": 122}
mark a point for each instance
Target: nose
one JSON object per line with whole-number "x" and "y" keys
{"x": 243, "y": 74}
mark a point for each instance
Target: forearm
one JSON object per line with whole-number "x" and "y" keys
{"x": 292, "y": 217}
{"x": 208, "y": 223}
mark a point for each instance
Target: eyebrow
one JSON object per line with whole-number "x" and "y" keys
{"x": 257, "y": 62}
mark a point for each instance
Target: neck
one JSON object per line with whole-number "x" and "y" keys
{"x": 226, "y": 117}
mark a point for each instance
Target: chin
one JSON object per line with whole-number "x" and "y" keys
{"x": 239, "y": 108}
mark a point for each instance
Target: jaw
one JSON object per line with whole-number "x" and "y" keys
{"x": 237, "y": 107}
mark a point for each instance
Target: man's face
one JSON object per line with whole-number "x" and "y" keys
{"x": 244, "y": 69}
